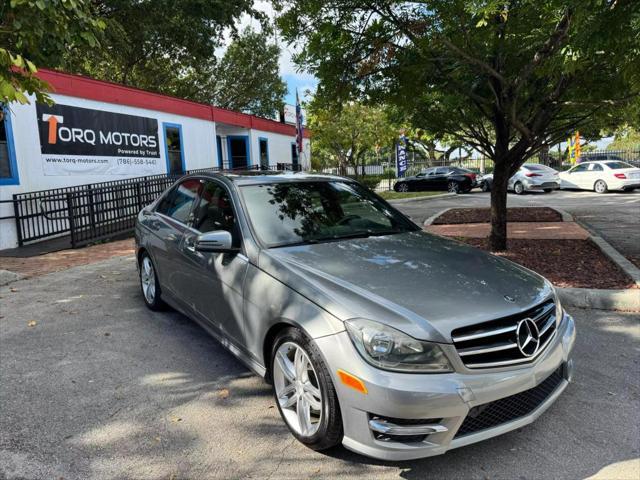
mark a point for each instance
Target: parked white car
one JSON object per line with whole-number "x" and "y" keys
{"x": 602, "y": 176}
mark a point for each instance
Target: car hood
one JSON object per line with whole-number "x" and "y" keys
{"x": 421, "y": 284}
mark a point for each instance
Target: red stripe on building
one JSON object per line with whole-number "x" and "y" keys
{"x": 101, "y": 91}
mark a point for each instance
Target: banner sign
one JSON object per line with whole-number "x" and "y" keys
{"x": 401, "y": 156}
{"x": 80, "y": 141}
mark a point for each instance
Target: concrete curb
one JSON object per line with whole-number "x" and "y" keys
{"x": 420, "y": 199}
{"x": 622, "y": 300}
{"x": 566, "y": 216}
{"x": 7, "y": 277}
{"x": 616, "y": 257}
{"x": 432, "y": 218}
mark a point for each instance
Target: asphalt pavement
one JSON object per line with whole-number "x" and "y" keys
{"x": 94, "y": 385}
{"x": 615, "y": 216}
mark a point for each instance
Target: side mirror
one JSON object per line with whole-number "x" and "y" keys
{"x": 216, "y": 241}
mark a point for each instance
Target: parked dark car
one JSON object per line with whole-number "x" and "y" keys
{"x": 451, "y": 179}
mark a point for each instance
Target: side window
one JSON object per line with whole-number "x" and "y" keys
{"x": 215, "y": 212}
{"x": 580, "y": 168}
{"x": 177, "y": 204}
{"x": 595, "y": 167}
{"x": 442, "y": 171}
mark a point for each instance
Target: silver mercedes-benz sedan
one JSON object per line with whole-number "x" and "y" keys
{"x": 394, "y": 342}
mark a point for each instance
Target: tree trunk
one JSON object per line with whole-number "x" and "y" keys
{"x": 498, "y": 237}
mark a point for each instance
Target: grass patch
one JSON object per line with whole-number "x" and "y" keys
{"x": 391, "y": 195}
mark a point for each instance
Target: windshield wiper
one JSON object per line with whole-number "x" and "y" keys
{"x": 331, "y": 238}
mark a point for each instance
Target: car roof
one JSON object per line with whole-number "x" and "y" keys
{"x": 257, "y": 177}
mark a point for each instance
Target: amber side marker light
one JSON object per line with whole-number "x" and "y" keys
{"x": 352, "y": 381}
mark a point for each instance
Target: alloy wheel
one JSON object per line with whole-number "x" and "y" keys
{"x": 453, "y": 187}
{"x": 403, "y": 187}
{"x": 297, "y": 389}
{"x": 148, "y": 280}
{"x": 600, "y": 186}
{"x": 518, "y": 188}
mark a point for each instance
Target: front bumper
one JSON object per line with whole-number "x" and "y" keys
{"x": 438, "y": 402}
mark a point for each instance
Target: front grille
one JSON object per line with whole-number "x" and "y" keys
{"x": 510, "y": 408}
{"x": 496, "y": 343}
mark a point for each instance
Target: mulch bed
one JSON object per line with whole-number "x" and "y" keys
{"x": 566, "y": 263}
{"x": 483, "y": 215}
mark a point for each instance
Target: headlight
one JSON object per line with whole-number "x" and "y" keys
{"x": 559, "y": 309}
{"x": 390, "y": 349}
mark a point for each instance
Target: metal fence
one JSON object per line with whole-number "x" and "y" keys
{"x": 88, "y": 213}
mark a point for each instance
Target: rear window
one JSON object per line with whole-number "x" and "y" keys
{"x": 618, "y": 165}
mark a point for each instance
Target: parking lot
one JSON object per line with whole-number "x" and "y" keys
{"x": 93, "y": 385}
{"x": 615, "y": 216}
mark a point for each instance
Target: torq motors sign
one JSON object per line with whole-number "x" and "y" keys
{"x": 76, "y": 140}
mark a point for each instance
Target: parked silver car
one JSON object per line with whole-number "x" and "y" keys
{"x": 374, "y": 333}
{"x": 529, "y": 177}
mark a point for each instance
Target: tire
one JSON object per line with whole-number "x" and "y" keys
{"x": 628, "y": 190}
{"x": 401, "y": 187}
{"x": 453, "y": 187}
{"x": 326, "y": 431}
{"x": 149, "y": 285}
{"x": 485, "y": 187}
{"x": 600, "y": 187}
{"x": 548, "y": 190}
{"x": 518, "y": 188}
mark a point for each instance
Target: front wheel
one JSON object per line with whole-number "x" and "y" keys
{"x": 453, "y": 187}
{"x": 304, "y": 392}
{"x": 600, "y": 187}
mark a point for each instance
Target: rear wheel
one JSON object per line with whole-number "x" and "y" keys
{"x": 149, "y": 284}
{"x": 518, "y": 188}
{"x": 402, "y": 187}
{"x": 485, "y": 186}
{"x": 453, "y": 187}
{"x": 600, "y": 187}
{"x": 304, "y": 392}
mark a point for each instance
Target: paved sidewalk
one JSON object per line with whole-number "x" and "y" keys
{"x": 64, "y": 259}
{"x": 530, "y": 230}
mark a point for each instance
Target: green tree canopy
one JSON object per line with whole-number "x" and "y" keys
{"x": 343, "y": 136}
{"x": 507, "y": 77}
{"x": 35, "y": 32}
{"x": 246, "y": 78}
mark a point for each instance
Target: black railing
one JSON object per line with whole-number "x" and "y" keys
{"x": 88, "y": 213}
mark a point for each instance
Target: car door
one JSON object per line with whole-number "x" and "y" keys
{"x": 440, "y": 178}
{"x": 594, "y": 173}
{"x": 576, "y": 177}
{"x": 216, "y": 279}
{"x": 174, "y": 214}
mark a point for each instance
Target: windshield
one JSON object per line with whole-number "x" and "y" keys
{"x": 618, "y": 165}
{"x": 312, "y": 212}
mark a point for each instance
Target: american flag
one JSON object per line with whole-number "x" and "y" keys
{"x": 298, "y": 124}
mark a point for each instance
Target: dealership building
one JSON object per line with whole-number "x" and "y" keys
{"x": 98, "y": 132}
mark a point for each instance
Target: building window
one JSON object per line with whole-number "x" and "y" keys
{"x": 8, "y": 164}
{"x": 294, "y": 156}
{"x": 174, "y": 148}
{"x": 264, "y": 153}
{"x": 238, "y": 151}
